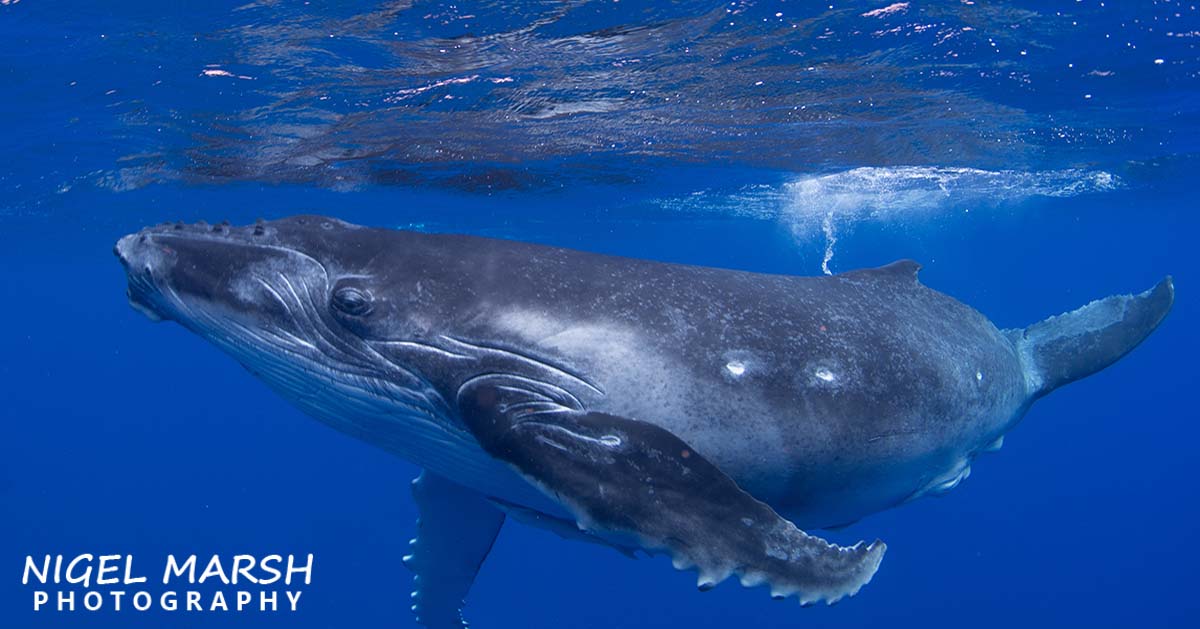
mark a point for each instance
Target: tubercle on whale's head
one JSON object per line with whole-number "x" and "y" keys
{"x": 175, "y": 268}
{"x": 294, "y": 300}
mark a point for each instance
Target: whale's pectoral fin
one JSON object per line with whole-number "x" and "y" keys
{"x": 633, "y": 480}
{"x": 1077, "y": 344}
{"x": 455, "y": 532}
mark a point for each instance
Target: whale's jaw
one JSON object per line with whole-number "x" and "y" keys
{"x": 264, "y": 300}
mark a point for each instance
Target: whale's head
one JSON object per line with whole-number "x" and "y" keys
{"x": 299, "y": 302}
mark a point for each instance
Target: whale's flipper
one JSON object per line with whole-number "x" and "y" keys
{"x": 1077, "y": 344}
{"x": 632, "y": 480}
{"x": 455, "y": 531}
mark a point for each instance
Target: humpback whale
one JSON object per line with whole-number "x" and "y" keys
{"x": 712, "y": 415}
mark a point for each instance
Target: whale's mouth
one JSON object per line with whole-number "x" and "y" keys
{"x": 142, "y": 291}
{"x": 141, "y": 307}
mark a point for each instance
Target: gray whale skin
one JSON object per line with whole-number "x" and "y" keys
{"x": 707, "y": 414}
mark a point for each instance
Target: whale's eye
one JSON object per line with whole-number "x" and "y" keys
{"x": 352, "y": 301}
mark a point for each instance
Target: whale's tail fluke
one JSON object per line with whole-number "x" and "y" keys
{"x": 1077, "y": 344}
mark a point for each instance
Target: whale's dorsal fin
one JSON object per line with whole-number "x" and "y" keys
{"x": 631, "y": 480}
{"x": 901, "y": 270}
{"x": 455, "y": 532}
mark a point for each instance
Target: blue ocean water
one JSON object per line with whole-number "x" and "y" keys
{"x": 1033, "y": 156}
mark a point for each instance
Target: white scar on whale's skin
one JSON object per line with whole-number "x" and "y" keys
{"x": 617, "y": 356}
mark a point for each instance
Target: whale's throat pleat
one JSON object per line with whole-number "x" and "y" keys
{"x": 341, "y": 386}
{"x": 401, "y": 420}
